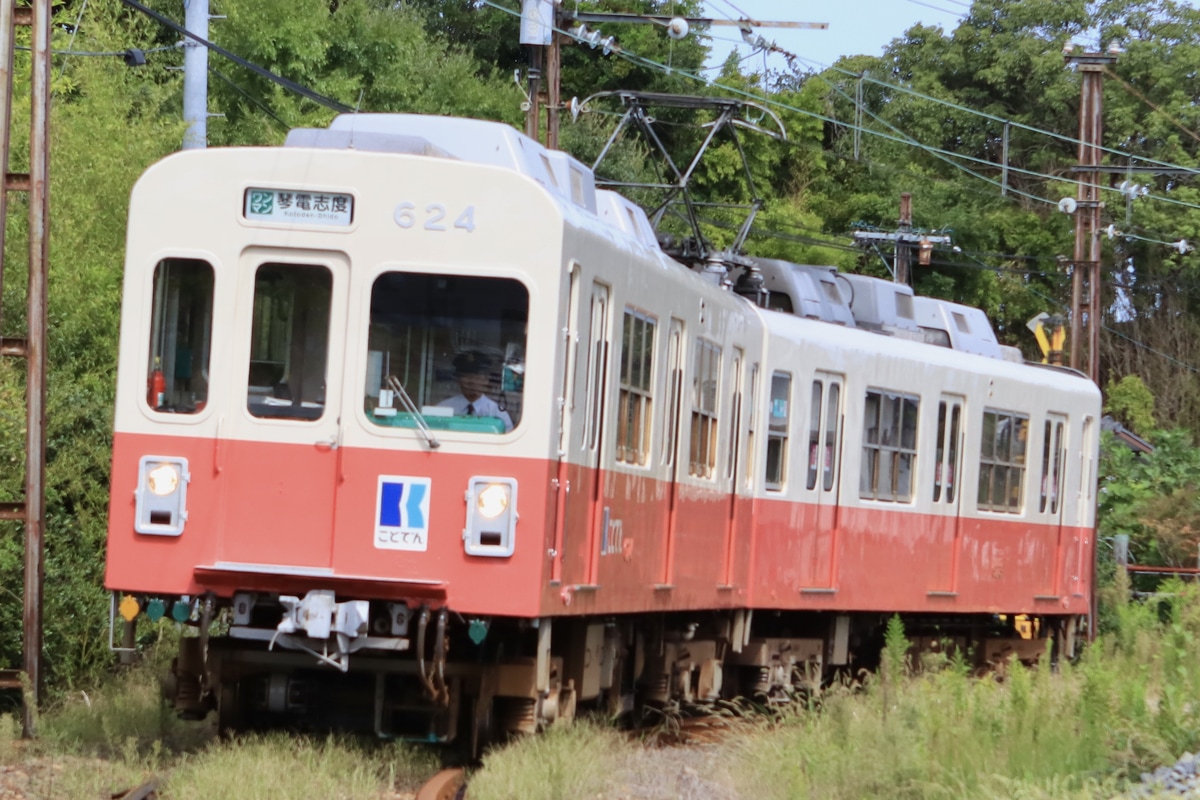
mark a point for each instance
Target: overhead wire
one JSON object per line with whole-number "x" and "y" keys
{"x": 286, "y": 83}
{"x": 943, "y": 154}
{"x": 935, "y": 8}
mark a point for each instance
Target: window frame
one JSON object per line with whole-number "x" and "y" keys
{"x": 992, "y": 463}
{"x": 705, "y": 414}
{"x": 879, "y": 455}
{"x": 778, "y": 431}
{"x": 635, "y": 406}
{"x": 193, "y": 285}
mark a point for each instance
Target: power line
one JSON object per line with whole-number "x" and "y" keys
{"x": 290, "y": 85}
{"x": 945, "y": 155}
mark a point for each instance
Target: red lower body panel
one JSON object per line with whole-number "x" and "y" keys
{"x": 289, "y": 518}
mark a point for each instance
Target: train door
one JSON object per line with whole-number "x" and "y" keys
{"x": 671, "y": 437}
{"x": 733, "y": 464}
{"x": 566, "y": 417}
{"x": 1050, "y": 507}
{"x": 279, "y": 436}
{"x": 946, "y": 520}
{"x": 586, "y": 516}
{"x": 822, "y": 478}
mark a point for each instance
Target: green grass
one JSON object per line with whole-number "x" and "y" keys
{"x": 121, "y": 734}
{"x": 566, "y": 761}
{"x": 283, "y": 767}
{"x": 1080, "y": 730}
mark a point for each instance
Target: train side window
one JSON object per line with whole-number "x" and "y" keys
{"x": 1052, "y": 461}
{"x": 1002, "y": 461}
{"x": 945, "y": 470}
{"x": 597, "y": 362}
{"x": 814, "y": 434}
{"x": 703, "y": 459}
{"x": 180, "y": 336}
{"x": 289, "y": 340}
{"x": 735, "y": 414}
{"x": 777, "y": 430}
{"x": 833, "y": 411}
{"x": 889, "y": 446}
{"x": 637, "y": 384}
{"x": 752, "y": 424}
{"x": 674, "y": 390}
{"x": 455, "y": 345}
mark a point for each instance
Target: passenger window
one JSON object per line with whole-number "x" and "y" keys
{"x": 674, "y": 390}
{"x": 180, "y": 336}
{"x": 448, "y": 347}
{"x": 946, "y": 470}
{"x": 814, "y": 434}
{"x": 1052, "y": 461}
{"x": 1002, "y": 461}
{"x": 777, "y": 430}
{"x": 637, "y": 384}
{"x": 832, "y": 413}
{"x": 889, "y": 446}
{"x": 703, "y": 460}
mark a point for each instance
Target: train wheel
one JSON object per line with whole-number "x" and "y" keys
{"x": 231, "y": 713}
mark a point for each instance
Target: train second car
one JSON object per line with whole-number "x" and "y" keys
{"x": 423, "y": 433}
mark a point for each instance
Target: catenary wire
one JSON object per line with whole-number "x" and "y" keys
{"x": 290, "y": 85}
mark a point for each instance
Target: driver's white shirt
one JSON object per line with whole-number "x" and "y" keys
{"x": 482, "y": 406}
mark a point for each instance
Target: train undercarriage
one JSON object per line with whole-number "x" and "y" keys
{"x": 430, "y": 674}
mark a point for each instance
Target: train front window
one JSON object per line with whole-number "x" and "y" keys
{"x": 289, "y": 341}
{"x": 449, "y": 347}
{"x": 180, "y": 336}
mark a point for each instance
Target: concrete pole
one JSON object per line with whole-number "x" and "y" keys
{"x": 195, "y": 76}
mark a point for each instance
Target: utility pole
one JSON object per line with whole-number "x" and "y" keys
{"x": 195, "y": 76}
{"x": 537, "y": 33}
{"x": 1091, "y": 68}
{"x": 901, "y": 245}
{"x": 541, "y": 21}
{"x": 903, "y": 238}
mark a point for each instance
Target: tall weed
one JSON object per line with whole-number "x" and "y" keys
{"x": 579, "y": 760}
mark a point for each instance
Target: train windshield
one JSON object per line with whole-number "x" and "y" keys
{"x": 451, "y": 347}
{"x": 180, "y": 335}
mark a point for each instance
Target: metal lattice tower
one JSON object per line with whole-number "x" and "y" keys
{"x": 31, "y": 509}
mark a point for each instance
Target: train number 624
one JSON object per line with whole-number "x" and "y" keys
{"x": 434, "y": 217}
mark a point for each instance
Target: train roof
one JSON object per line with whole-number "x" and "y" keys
{"x": 812, "y": 291}
{"x": 902, "y": 354}
{"x": 880, "y": 306}
{"x": 475, "y": 140}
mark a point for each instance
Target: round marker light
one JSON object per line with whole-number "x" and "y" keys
{"x": 163, "y": 479}
{"x": 492, "y": 501}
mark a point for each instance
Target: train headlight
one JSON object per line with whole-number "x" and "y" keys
{"x": 491, "y": 517}
{"x": 161, "y": 495}
{"x": 492, "y": 501}
{"x": 163, "y": 479}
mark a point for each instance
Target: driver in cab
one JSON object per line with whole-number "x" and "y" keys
{"x": 473, "y": 370}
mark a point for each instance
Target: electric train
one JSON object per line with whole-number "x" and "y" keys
{"x": 671, "y": 485}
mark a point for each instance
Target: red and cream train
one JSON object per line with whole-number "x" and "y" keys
{"x": 669, "y": 492}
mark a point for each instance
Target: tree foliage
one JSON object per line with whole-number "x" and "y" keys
{"x": 975, "y": 122}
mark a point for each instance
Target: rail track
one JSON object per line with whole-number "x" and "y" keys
{"x": 449, "y": 784}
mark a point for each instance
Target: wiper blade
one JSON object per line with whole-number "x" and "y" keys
{"x": 394, "y": 384}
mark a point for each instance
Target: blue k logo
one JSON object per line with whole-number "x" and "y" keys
{"x": 402, "y": 513}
